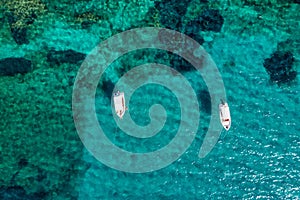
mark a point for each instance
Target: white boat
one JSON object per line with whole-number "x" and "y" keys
{"x": 225, "y": 115}
{"x": 119, "y": 102}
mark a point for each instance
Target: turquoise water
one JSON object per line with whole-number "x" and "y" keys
{"x": 255, "y": 45}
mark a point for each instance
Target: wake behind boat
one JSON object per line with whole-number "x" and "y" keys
{"x": 119, "y": 102}
{"x": 225, "y": 115}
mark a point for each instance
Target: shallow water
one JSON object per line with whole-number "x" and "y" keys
{"x": 42, "y": 155}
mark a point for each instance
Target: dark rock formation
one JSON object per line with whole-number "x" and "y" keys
{"x": 121, "y": 70}
{"x": 41, "y": 194}
{"x": 193, "y": 29}
{"x": 19, "y": 35}
{"x": 19, "y": 32}
{"x": 108, "y": 87}
{"x": 210, "y": 20}
{"x": 180, "y": 64}
{"x": 14, "y": 193}
{"x": 13, "y": 66}
{"x": 171, "y": 13}
{"x": 42, "y": 175}
{"x": 173, "y": 22}
{"x": 87, "y": 24}
{"x": 59, "y": 150}
{"x": 280, "y": 67}
{"x": 67, "y": 56}
{"x": 23, "y": 162}
{"x": 205, "y": 100}
{"x": 19, "y": 193}
{"x": 162, "y": 57}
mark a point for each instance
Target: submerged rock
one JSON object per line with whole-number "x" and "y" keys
{"x": 108, "y": 87}
{"x": 87, "y": 24}
{"x": 13, "y": 66}
{"x": 171, "y": 13}
{"x": 23, "y": 162}
{"x": 67, "y": 56}
{"x": 14, "y": 193}
{"x": 19, "y": 193}
{"x": 280, "y": 67}
{"x": 210, "y": 20}
{"x": 180, "y": 64}
{"x": 205, "y": 100}
{"x": 42, "y": 174}
{"x": 19, "y": 35}
{"x": 192, "y": 29}
{"x": 18, "y": 27}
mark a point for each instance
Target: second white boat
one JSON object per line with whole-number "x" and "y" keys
{"x": 225, "y": 117}
{"x": 119, "y": 102}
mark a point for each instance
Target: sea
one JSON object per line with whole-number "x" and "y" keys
{"x": 62, "y": 62}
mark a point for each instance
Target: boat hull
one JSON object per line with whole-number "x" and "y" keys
{"x": 119, "y": 103}
{"x": 225, "y": 117}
